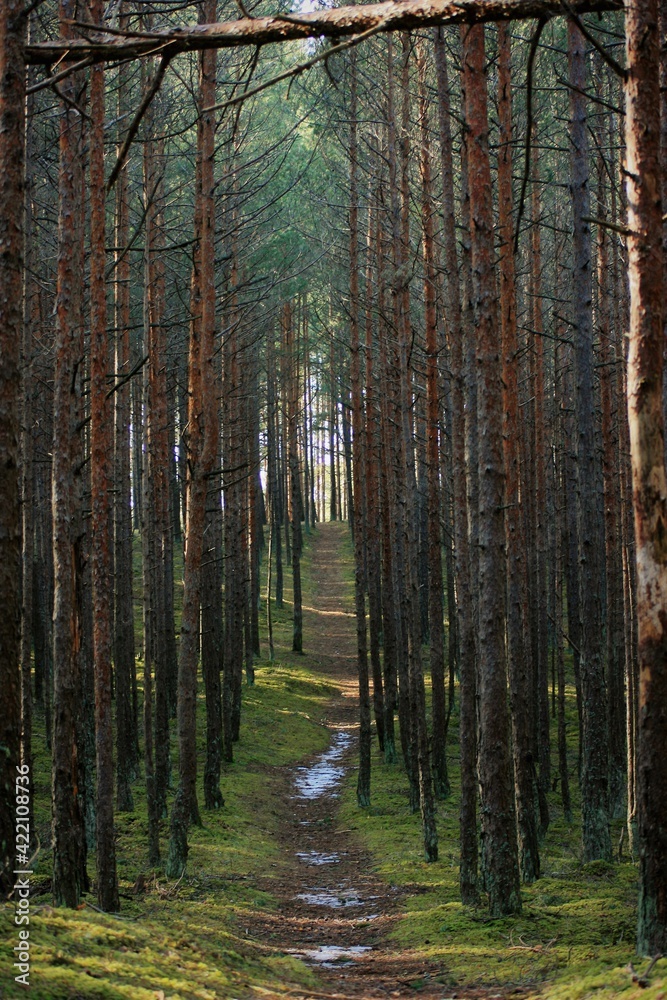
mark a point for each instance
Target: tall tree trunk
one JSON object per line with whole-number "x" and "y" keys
{"x": 212, "y": 637}
{"x": 273, "y": 483}
{"x": 395, "y": 436}
{"x": 408, "y": 492}
{"x": 464, "y": 609}
{"x": 256, "y": 540}
{"x": 539, "y": 505}
{"x": 155, "y": 511}
{"x": 101, "y": 446}
{"x": 393, "y": 659}
{"x": 234, "y": 556}
{"x": 31, "y": 319}
{"x": 595, "y": 739}
{"x": 358, "y": 510}
{"x": 333, "y": 429}
{"x": 519, "y": 673}
{"x": 496, "y": 789}
{"x": 642, "y": 132}
{"x": 371, "y": 496}
{"x": 436, "y": 627}
{"x": 155, "y": 795}
{"x": 124, "y": 663}
{"x": 561, "y": 548}
{"x": 294, "y": 489}
{"x": 202, "y": 449}
{"x": 387, "y": 580}
{"x": 12, "y": 96}
{"x": 69, "y": 838}
{"x": 615, "y": 639}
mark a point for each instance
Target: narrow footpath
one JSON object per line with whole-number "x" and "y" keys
{"x": 334, "y": 913}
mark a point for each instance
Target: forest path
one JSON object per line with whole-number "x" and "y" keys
{"x": 333, "y": 911}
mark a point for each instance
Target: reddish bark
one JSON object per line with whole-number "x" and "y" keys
{"x": 649, "y": 484}
{"x": 202, "y": 449}
{"x": 494, "y": 767}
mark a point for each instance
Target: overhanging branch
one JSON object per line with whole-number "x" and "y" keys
{"x": 337, "y": 22}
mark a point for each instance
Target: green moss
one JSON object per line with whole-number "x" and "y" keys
{"x": 573, "y": 941}
{"x": 576, "y": 934}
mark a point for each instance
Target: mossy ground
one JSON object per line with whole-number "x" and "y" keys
{"x": 575, "y": 937}
{"x": 184, "y": 941}
{"x": 573, "y": 941}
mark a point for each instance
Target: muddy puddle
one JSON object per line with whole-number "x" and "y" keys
{"x": 334, "y": 899}
{"x": 325, "y": 774}
{"x": 318, "y": 858}
{"x": 342, "y": 900}
{"x": 330, "y": 956}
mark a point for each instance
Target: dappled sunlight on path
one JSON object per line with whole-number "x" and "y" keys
{"x": 333, "y": 912}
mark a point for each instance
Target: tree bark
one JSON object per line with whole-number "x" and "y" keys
{"x": 124, "y": 663}
{"x": 519, "y": 673}
{"x": 496, "y": 791}
{"x": 101, "y": 447}
{"x": 69, "y": 838}
{"x": 371, "y": 492}
{"x": 155, "y": 511}
{"x": 464, "y": 610}
{"x": 12, "y": 163}
{"x": 649, "y": 484}
{"x": 358, "y": 511}
{"x": 436, "y": 627}
{"x": 539, "y": 505}
{"x": 336, "y": 23}
{"x": 595, "y": 739}
{"x": 202, "y": 450}
{"x": 27, "y": 478}
{"x": 294, "y": 489}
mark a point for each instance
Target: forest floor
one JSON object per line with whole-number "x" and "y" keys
{"x": 291, "y": 891}
{"x": 334, "y": 911}
{"x": 358, "y": 901}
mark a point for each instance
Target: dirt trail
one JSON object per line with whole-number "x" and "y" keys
{"x": 333, "y": 912}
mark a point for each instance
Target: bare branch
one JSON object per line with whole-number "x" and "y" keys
{"x": 151, "y": 91}
{"x": 57, "y": 77}
{"x": 298, "y": 69}
{"x": 609, "y": 59}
